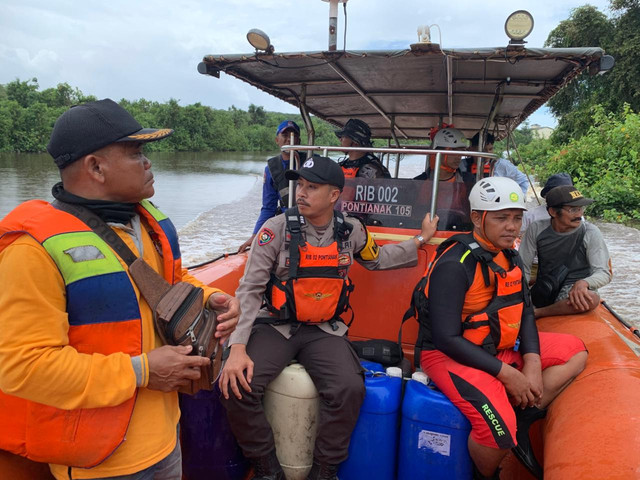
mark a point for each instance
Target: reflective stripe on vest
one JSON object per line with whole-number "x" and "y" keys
{"x": 494, "y": 328}
{"x": 104, "y": 318}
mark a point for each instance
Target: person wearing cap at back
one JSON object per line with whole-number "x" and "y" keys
{"x": 573, "y": 260}
{"x": 478, "y": 337}
{"x": 294, "y": 301}
{"x": 275, "y": 188}
{"x": 540, "y": 212}
{"x": 87, "y": 385}
{"x": 357, "y": 133}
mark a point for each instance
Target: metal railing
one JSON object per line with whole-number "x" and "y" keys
{"x": 417, "y": 150}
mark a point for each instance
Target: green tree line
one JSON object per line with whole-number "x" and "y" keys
{"x": 597, "y": 139}
{"x": 27, "y": 116}
{"x": 576, "y": 105}
{"x": 604, "y": 163}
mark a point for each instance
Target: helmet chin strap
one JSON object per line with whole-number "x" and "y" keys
{"x": 443, "y": 165}
{"x": 482, "y": 238}
{"x": 447, "y": 168}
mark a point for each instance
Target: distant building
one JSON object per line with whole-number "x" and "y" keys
{"x": 541, "y": 132}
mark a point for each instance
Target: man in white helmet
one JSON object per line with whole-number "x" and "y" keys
{"x": 478, "y": 338}
{"x": 448, "y": 138}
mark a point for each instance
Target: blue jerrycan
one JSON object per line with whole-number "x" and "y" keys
{"x": 209, "y": 449}
{"x": 433, "y": 435}
{"x": 374, "y": 442}
{"x": 371, "y": 366}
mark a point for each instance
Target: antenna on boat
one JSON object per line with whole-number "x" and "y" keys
{"x": 333, "y": 23}
{"x": 424, "y": 39}
{"x": 424, "y": 33}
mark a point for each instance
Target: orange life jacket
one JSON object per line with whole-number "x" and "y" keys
{"x": 350, "y": 172}
{"x": 497, "y": 326}
{"x": 486, "y": 168}
{"x": 318, "y": 288}
{"x": 104, "y": 318}
{"x": 351, "y": 168}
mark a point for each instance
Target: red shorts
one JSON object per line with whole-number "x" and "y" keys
{"x": 481, "y": 397}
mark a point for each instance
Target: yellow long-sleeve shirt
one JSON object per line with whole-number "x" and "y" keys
{"x": 37, "y": 363}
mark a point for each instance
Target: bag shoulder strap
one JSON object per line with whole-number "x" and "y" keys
{"x": 151, "y": 284}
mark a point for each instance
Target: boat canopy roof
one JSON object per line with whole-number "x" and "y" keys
{"x": 416, "y": 89}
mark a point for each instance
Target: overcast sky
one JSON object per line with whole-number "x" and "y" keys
{"x": 133, "y": 49}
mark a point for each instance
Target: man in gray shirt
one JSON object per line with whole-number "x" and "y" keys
{"x": 540, "y": 212}
{"x": 554, "y": 240}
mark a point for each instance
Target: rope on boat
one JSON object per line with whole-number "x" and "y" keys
{"x": 207, "y": 262}
{"x": 630, "y": 327}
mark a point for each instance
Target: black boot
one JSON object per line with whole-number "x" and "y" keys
{"x": 323, "y": 471}
{"x": 267, "y": 468}
{"x": 524, "y": 451}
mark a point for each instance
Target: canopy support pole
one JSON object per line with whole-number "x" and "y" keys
{"x": 497, "y": 101}
{"x": 395, "y": 139}
{"x": 436, "y": 184}
{"x": 450, "y": 88}
{"x": 304, "y": 113}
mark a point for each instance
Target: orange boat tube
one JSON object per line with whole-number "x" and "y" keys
{"x": 592, "y": 430}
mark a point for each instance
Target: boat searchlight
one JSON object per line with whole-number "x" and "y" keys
{"x": 259, "y": 40}
{"x": 518, "y": 26}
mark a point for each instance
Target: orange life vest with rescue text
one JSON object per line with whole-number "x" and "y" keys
{"x": 497, "y": 326}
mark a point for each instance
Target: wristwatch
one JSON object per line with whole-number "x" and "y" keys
{"x": 420, "y": 239}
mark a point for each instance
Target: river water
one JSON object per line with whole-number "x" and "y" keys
{"x": 214, "y": 200}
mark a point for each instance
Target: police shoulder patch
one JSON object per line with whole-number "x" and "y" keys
{"x": 265, "y": 236}
{"x": 344, "y": 259}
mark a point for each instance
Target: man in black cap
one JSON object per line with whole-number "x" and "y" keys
{"x": 573, "y": 260}
{"x": 87, "y": 385}
{"x": 293, "y": 297}
{"x": 357, "y": 133}
{"x": 540, "y": 212}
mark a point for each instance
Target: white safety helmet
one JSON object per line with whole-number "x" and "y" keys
{"x": 496, "y": 193}
{"x": 450, "y": 138}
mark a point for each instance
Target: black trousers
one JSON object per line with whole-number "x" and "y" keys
{"x": 336, "y": 372}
